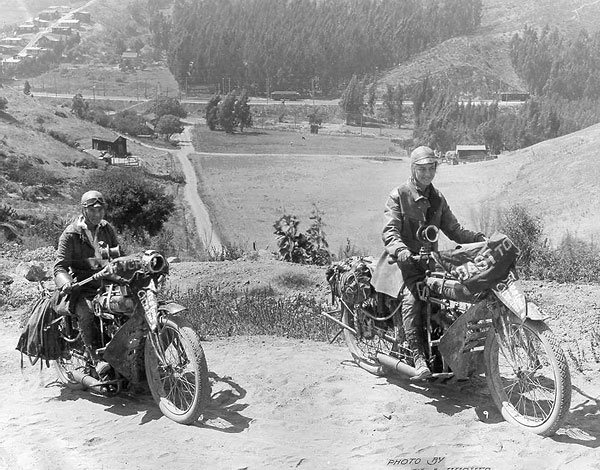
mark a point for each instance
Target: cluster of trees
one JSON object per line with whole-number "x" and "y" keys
{"x": 442, "y": 121}
{"x": 303, "y": 44}
{"x": 552, "y": 64}
{"x": 354, "y": 106}
{"x": 167, "y": 117}
{"x": 230, "y": 113}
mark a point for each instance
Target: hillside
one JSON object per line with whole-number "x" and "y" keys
{"x": 481, "y": 62}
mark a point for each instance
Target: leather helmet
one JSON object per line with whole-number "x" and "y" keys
{"x": 93, "y": 199}
{"x": 422, "y": 155}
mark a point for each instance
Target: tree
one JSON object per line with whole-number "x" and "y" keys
{"x": 227, "y": 114}
{"x": 169, "y": 125}
{"x": 392, "y": 100}
{"x": 26, "y": 88}
{"x": 134, "y": 201}
{"x": 243, "y": 116}
{"x": 352, "y": 100}
{"x": 212, "y": 112}
{"x": 129, "y": 122}
{"x": 79, "y": 106}
{"x": 162, "y": 106}
{"x": 3, "y": 103}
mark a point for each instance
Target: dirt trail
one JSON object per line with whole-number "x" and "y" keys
{"x": 279, "y": 403}
{"x": 207, "y": 234}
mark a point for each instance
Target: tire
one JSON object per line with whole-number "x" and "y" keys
{"x": 364, "y": 349}
{"x": 532, "y": 386}
{"x": 179, "y": 386}
{"x": 72, "y": 359}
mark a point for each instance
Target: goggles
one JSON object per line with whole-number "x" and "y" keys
{"x": 94, "y": 202}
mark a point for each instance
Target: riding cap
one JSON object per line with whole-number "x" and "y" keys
{"x": 93, "y": 199}
{"x": 422, "y": 155}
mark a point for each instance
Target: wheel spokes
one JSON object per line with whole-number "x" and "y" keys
{"x": 177, "y": 379}
{"x": 523, "y": 367}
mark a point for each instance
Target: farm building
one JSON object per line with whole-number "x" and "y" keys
{"x": 118, "y": 147}
{"x": 472, "y": 153}
{"x": 514, "y": 96}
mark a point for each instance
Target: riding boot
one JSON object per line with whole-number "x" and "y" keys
{"x": 416, "y": 347}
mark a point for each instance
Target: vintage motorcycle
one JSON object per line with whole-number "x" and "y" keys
{"x": 476, "y": 320}
{"x": 143, "y": 339}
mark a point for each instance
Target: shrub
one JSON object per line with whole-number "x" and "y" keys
{"x": 64, "y": 138}
{"x": 574, "y": 260}
{"x": 295, "y": 247}
{"x": 134, "y": 201}
{"x": 526, "y": 231}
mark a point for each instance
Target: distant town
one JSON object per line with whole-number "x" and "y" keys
{"x": 40, "y": 36}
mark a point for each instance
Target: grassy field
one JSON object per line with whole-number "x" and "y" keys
{"x": 94, "y": 82}
{"x": 295, "y": 142}
{"x": 348, "y": 178}
{"x": 252, "y": 180}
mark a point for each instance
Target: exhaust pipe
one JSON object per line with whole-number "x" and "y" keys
{"x": 397, "y": 365}
{"x": 85, "y": 379}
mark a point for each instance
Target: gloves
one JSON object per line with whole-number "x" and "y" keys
{"x": 403, "y": 255}
{"x": 66, "y": 288}
{"x": 480, "y": 237}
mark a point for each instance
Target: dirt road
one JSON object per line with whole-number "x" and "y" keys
{"x": 277, "y": 404}
{"x": 204, "y": 227}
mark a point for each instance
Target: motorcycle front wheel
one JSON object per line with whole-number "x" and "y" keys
{"x": 370, "y": 338}
{"x": 528, "y": 375}
{"x": 177, "y": 377}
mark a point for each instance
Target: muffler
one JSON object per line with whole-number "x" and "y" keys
{"x": 85, "y": 379}
{"x": 396, "y": 365}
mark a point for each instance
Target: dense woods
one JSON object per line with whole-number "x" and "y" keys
{"x": 560, "y": 72}
{"x": 303, "y": 45}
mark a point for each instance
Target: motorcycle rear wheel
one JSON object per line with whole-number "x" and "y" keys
{"x": 179, "y": 385}
{"x": 363, "y": 348}
{"x": 528, "y": 376}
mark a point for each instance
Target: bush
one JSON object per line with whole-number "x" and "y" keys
{"x": 574, "y": 260}
{"x": 134, "y": 201}
{"x": 526, "y": 231}
{"x": 64, "y": 138}
{"x": 295, "y": 247}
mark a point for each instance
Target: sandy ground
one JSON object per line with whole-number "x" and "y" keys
{"x": 279, "y": 403}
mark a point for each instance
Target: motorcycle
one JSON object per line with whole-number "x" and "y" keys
{"x": 142, "y": 338}
{"x": 476, "y": 320}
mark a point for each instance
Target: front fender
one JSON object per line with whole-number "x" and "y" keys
{"x": 171, "y": 308}
{"x": 533, "y": 311}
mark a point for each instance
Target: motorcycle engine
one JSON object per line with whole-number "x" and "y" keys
{"x": 116, "y": 299}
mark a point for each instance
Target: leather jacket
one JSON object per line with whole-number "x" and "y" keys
{"x": 76, "y": 255}
{"x": 408, "y": 208}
